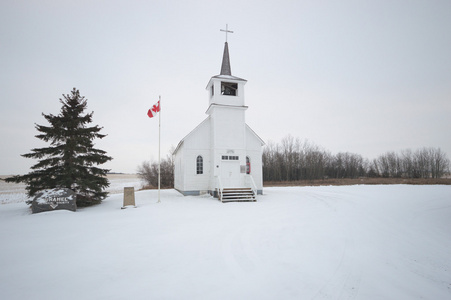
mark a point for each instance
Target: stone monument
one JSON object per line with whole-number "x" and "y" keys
{"x": 129, "y": 197}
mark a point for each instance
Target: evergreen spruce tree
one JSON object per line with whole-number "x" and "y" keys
{"x": 70, "y": 161}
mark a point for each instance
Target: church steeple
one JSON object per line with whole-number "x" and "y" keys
{"x": 226, "y": 89}
{"x": 225, "y": 67}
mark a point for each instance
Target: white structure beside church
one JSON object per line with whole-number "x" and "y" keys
{"x": 222, "y": 153}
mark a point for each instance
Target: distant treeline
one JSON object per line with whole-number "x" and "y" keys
{"x": 294, "y": 159}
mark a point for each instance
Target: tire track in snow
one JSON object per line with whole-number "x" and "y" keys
{"x": 346, "y": 277}
{"x": 325, "y": 198}
{"x": 238, "y": 253}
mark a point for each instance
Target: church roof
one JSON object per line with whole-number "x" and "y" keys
{"x": 256, "y": 135}
{"x": 203, "y": 123}
{"x": 229, "y": 77}
{"x": 191, "y": 132}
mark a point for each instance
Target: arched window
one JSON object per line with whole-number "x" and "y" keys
{"x": 248, "y": 165}
{"x": 199, "y": 165}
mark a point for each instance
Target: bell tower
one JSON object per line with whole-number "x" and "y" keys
{"x": 226, "y": 89}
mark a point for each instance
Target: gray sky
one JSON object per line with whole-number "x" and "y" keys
{"x": 359, "y": 76}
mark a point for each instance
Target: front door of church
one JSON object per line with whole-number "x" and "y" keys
{"x": 230, "y": 173}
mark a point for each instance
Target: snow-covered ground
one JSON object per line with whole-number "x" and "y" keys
{"x": 347, "y": 242}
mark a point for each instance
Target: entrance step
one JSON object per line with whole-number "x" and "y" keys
{"x": 237, "y": 195}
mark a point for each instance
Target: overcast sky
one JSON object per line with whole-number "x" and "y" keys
{"x": 365, "y": 77}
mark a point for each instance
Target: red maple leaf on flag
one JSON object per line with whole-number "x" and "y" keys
{"x": 154, "y": 110}
{"x": 156, "y": 107}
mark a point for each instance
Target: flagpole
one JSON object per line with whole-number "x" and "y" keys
{"x": 159, "y": 138}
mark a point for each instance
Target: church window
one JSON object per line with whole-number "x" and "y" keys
{"x": 230, "y": 157}
{"x": 200, "y": 165}
{"x": 212, "y": 90}
{"x": 229, "y": 88}
{"x": 248, "y": 165}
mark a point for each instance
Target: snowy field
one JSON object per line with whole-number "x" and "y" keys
{"x": 347, "y": 242}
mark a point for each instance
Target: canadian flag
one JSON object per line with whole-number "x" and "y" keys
{"x": 154, "y": 110}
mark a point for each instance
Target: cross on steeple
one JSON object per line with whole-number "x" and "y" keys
{"x": 226, "y": 31}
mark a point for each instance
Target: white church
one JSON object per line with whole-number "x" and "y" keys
{"x": 222, "y": 155}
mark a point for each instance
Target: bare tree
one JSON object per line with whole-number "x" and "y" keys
{"x": 439, "y": 162}
{"x": 407, "y": 163}
{"x": 148, "y": 172}
{"x": 272, "y": 169}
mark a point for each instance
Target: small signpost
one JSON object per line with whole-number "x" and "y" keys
{"x": 54, "y": 199}
{"x": 129, "y": 197}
